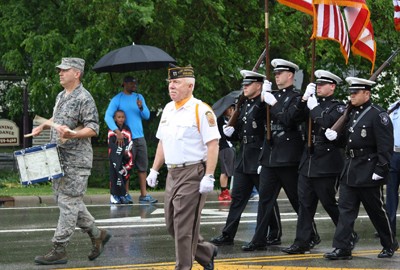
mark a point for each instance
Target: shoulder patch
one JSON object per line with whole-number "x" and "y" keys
{"x": 210, "y": 118}
{"x": 384, "y": 118}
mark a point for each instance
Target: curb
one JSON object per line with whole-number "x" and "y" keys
{"x": 102, "y": 199}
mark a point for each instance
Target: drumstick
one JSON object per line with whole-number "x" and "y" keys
{"x": 42, "y": 120}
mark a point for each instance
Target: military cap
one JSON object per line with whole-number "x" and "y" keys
{"x": 357, "y": 84}
{"x": 251, "y": 76}
{"x": 324, "y": 76}
{"x": 72, "y": 62}
{"x": 284, "y": 65}
{"x": 175, "y": 72}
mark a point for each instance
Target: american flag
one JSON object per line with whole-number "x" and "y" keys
{"x": 396, "y": 4}
{"x": 360, "y": 28}
{"x": 329, "y": 24}
{"x": 305, "y": 6}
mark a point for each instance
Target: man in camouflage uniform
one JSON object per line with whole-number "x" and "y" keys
{"x": 75, "y": 120}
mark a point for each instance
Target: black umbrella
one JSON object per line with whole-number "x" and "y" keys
{"x": 223, "y": 103}
{"x": 133, "y": 57}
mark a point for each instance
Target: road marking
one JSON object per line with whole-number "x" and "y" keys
{"x": 241, "y": 263}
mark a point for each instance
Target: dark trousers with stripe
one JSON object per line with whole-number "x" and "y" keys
{"x": 183, "y": 206}
{"x": 349, "y": 206}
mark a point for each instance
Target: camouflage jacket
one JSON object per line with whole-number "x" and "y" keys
{"x": 73, "y": 110}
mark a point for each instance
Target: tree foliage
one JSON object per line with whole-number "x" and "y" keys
{"x": 218, "y": 38}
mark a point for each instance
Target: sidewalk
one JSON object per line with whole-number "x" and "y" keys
{"x": 48, "y": 200}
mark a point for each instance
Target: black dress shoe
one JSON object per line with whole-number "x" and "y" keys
{"x": 389, "y": 252}
{"x": 222, "y": 240}
{"x": 386, "y": 253}
{"x": 339, "y": 254}
{"x": 273, "y": 241}
{"x": 253, "y": 246}
{"x": 210, "y": 265}
{"x": 295, "y": 249}
{"x": 315, "y": 241}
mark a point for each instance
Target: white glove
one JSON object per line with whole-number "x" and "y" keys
{"x": 310, "y": 90}
{"x": 330, "y": 134}
{"x": 152, "y": 178}
{"x": 123, "y": 171}
{"x": 206, "y": 184}
{"x": 269, "y": 98}
{"x": 228, "y": 130}
{"x": 267, "y": 86}
{"x": 259, "y": 169}
{"x": 376, "y": 177}
{"x": 312, "y": 102}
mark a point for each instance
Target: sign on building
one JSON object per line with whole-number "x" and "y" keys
{"x": 43, "y": 138}
{"x": 9, "y": 133}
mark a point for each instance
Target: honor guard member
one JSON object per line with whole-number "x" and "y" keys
{"x": 188, "y": 144}
{"x": 321, "y": 164}
{"x": 249, "y": 130}
{"x": 368, "y": 138}
{"x": 281, "y": 155}
{"x": 392, "y": 188}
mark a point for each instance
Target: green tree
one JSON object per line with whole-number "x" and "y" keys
{"x": 218, "y": 38}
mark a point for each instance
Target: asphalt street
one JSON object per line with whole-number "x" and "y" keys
{"x": 140, "y": 240}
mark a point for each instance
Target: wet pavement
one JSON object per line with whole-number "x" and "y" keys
{"x": 140, "y": 240}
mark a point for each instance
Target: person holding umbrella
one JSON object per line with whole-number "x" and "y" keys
{"x": 188, "y": 144}
{"x": 135, "y": 108}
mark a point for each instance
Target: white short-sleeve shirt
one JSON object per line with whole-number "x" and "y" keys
{"x": 183, "y": 135}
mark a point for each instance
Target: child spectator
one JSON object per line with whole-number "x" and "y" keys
{"x": 226, "y": 155}
{"x": 121, "y": 161}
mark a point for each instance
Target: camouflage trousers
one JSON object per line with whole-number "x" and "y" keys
{"x": 73, "y": 213}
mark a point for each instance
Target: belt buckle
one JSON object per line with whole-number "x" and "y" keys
{"x": 244, "y": 139}
{"x": 351, "y": 153}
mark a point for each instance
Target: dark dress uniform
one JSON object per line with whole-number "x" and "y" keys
{"x": 369, "y": 146}
{"x": 280, "y": 160}
{"x": 250, "y": 132}
{"x": 319, "y": 169}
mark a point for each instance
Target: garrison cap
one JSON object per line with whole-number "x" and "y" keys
{"x": 251, "y": 76}
{"x": 175, "y": 72}
{"x": 357, "y": 84}
{"x": 324, "y": 76}
{"x": 72, "y": 62}
{"x": 284, "y": 65}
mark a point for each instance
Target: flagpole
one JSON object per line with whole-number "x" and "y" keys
{"x": 267, "y": 67}
{"x": 309, "y": 144}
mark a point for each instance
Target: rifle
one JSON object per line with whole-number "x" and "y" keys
{"x": 232, "y": 121}
{"x": 341, "y": 122}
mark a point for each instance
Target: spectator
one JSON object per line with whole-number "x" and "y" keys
{"x": 226, "y": 156}
{"x": 134, "y": 106}
{"x": 121, "y": 160}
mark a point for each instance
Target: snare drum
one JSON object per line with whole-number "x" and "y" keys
{"x": 38, "y": 164}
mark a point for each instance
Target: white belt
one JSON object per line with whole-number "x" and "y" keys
{"x": 172, "y": 166}
{"x": 397, "y": 149}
